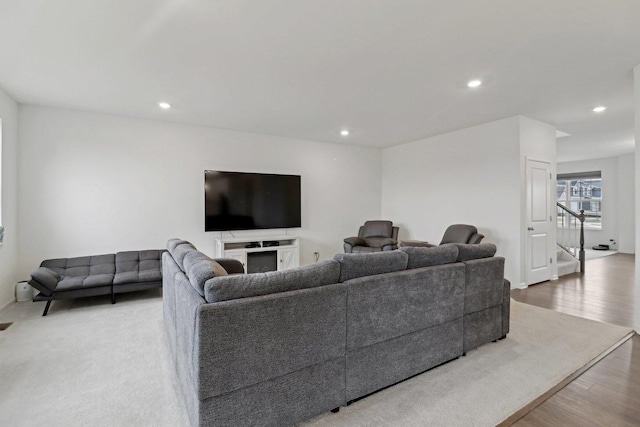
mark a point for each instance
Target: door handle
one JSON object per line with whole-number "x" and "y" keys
{"x": 530, "y": 228}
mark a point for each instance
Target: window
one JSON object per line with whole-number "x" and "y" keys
{"x": 582, "y": 191}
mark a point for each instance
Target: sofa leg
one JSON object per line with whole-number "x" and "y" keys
{"x": 113, "y": 296}
{"x": 46, "y": 309}
{"x": 336, "y": 410}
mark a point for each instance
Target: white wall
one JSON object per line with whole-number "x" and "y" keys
{"x": 470, "y": 176}
{"x": 626, "y": 204}
{"x": 9, "y": 249}
{"x": 611, "y": 202}
{"x": 93, "y": 183}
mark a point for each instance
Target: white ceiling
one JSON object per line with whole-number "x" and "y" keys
{"x": 391, "y": 71}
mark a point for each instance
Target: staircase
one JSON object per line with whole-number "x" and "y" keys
{"x": 570, "y": 251}
{"x": 567, "y": 264}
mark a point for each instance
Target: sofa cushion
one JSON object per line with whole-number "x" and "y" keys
{"x": 377, "y": 229}
{"x": 250, "y": 285}
{"x": 138, "y": 266}
{"x": 426, "y": 257}
{"x": 378, "y": 242}
{"x": 178, "y": 250}
{"x": 200, "y": 268}
{"x": 47, "y": 279}
{"x": 468, "y": 251}
{"x": 367, "y": 264}
{"x": 82, "y": 282}
{"x": 82, "y": 266}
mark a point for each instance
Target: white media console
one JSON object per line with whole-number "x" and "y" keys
{"x": 268, "y": 253}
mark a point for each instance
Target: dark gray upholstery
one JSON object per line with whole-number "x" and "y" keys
{"x": 247, "y": 341}
{"x": 45, "y": 280}
{"x": 461, "y": 233}
{"x": 487, "y": 302}
{"x": 405, "y": 303}
{"x": 249, "y": 285}
{"x": 200, "y": 268}
{"x": 278, "y": 348}
{"x": 426, "y": 257}
{"x": 475, "y": 251}
{"x": 376, "y": 229}
{"x": 272, "y": 359}
{"x": 78, "y": 270}
{"x": 417, "y": 320}
{"x": 383, "y": 364}
{"x": 178, "y": 250}
{"x": 138, "y": 266}
{"x": 358, "y": 265}
{"x": 87, "y": 276}
{"x": 373, "y": 236}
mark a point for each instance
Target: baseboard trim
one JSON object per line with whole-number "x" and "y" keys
{"x": 562, "y": 384}
{"x": 8, "y": 304}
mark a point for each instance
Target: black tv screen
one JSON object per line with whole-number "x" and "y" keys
{"x": 249, "y": 201}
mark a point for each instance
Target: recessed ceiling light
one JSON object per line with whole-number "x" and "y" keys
{"x": 474, "y": 83}
{"x": 599, "y": 109}
{"x": 344, "y": 132}
{"x": 164, "y": 105}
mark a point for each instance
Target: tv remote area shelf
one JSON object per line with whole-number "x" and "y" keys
{"x": 285, "y": 249}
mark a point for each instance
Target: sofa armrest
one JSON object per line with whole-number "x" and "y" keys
{"x": 355, "y": 241}
{"x": 476, "y": 239}
{"x": 232, "y": 266}
{"x": 45, "y": 280}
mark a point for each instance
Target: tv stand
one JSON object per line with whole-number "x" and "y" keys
{"x": 273, "y": 253}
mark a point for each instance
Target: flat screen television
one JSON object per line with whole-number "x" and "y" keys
{"x": 251, "y": 201}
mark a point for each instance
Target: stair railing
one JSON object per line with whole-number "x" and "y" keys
{"x": 571, "y": 232}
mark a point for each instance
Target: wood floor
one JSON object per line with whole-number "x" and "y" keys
{"x": 608, "y": 394}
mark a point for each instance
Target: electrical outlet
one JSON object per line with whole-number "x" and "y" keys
{"x": 316, "y": 255}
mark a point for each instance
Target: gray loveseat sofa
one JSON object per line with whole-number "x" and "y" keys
{"x": 109, "y": 274}
{"x": 280, "y": 347}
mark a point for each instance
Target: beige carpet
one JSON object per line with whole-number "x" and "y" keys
{"x": 91, "y": 363}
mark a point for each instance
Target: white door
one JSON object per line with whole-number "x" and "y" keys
{"x": 539, "y": 222}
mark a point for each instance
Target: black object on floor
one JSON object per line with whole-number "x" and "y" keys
{"x": 4, "y": 326}
{"x": 601, "y": 247}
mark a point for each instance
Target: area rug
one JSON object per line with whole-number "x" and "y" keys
{"x": 93, "y": 363}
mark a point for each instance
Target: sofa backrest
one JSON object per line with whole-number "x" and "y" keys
{"x": 378, "y": 228}
{"x": 199, "y": 268}
{"x": 138, "y": 260}
{"x": 367, "y": 264}
{"x": 179, "y": 249}
{"x": 385, "y": 306}
{"x": 249, "y": 285}
{"x": 138, "y": 266}
{"x": 246, "y": 341}
{"x": 430, "y": 256}
{"x": 468, "y": 251}
{"x": 82, "y": 266}
{"x": 484, "y": 283}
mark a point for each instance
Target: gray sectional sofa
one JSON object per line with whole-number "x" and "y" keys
{"x": 277, "y": 348}
{"x": 109, "y": 274}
